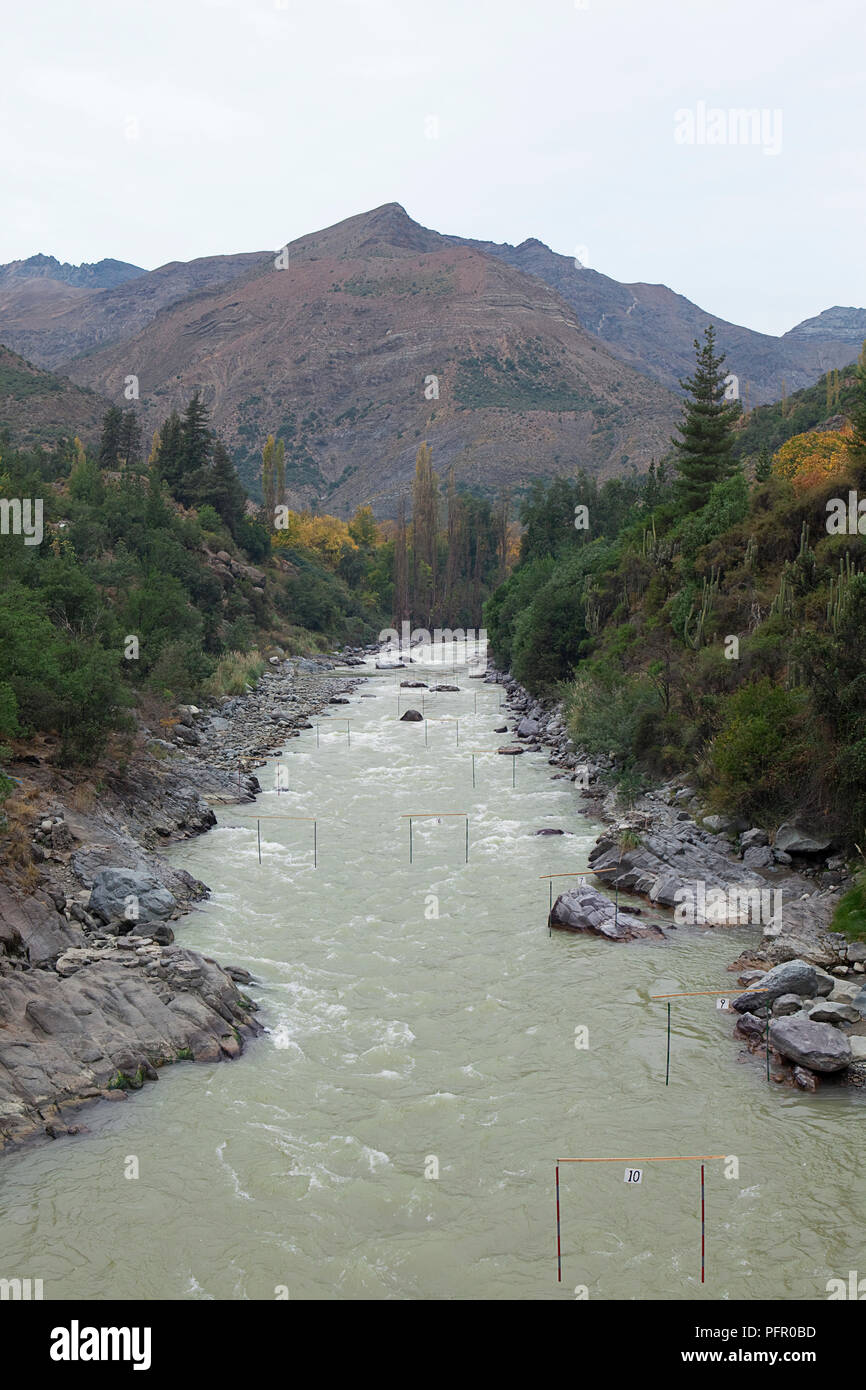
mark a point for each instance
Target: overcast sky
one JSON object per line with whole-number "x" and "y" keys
{"x": 180, "y": 128}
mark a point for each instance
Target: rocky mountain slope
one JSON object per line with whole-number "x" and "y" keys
{"x": 653, "y": 328}
{"x": 49, "y": 319}
{"x": 38, "y": 407}
{"x": 337, "y": 353}
{"x": 380, "y": 333}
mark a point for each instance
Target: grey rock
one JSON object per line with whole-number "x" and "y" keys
{"x": 758, "y": 857}
{"x": 412, "y": 716}
{"x": 793, "y": 977}
{"x": 787, "y": 1004}
{"x": 856, "y": 951}
{"x": 528, "y": 728}
{"x": 112, "y": 888}
{"x": 818, "y": 1046}
{"x": 801, "y": 837}
{"x": 585, "y": 909}
{"x": 754, "y": 838}
{"x": 749, "y": 1026}
{"x": 829, "y": 1012}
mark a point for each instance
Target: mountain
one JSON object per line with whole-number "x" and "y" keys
{"x": 844, "y": 325}
{"x": 103, "y": 275}
{"x": 653, "y": 328}
{"x": 37, "y": 407}
{"x": 332, "y": 354}
{"x": 543, "y": 365}
{"x": 49, "y": 320}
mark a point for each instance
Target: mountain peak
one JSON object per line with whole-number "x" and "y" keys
{"x": 387, "y": 226}
{"x": 101, "y": 275}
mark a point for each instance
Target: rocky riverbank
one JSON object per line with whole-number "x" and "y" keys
{"x": 806, "y": 1001}
{"x": 95, "y": 993}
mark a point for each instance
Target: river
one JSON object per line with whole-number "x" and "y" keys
{"x": 420, "y": 1021}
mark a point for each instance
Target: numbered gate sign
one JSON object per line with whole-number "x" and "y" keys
{"x": 633, "y": 1175}
{"x": 724, "y": 1004}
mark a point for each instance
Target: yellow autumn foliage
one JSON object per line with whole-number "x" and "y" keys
{"x": 327, "y": 536}
{"x": 807, "y": 459}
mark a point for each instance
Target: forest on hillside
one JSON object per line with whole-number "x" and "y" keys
{"x": 709, "y": 624}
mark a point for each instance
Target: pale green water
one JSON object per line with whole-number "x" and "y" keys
{"x": 397, "y": 1036}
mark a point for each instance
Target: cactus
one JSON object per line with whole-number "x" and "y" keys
{"x": 751, "y": 552}
{"x": 839, "y": 591}
{"x": 695, "y": 636}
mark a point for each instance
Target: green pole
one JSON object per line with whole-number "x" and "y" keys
{"x": 259, "y": 829}
{"x": 473, "y": 769}
{"x": 410, "y": 839}
{"x": 315, "y": 845}
{"x": 467, "y": 839}
{"x": 668, "y": 1062}
{"x": 513, "y": 766}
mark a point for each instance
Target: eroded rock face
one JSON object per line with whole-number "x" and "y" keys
{"x": 818, "y": 1046}
{"x": 103, "y": 1019}
{"x": 585, "y": 909}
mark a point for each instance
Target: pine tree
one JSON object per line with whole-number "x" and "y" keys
{"x": 194, "y": 452}
{"x": 129, "y": 442}
{"x": 704, "y": 452}
{"x": 154, "y": 448}
{"x": 109, "y": 444}
{"x": 224, "y": 488}
{"x": 763, "y": 465}
{"x": 168, "y": 459}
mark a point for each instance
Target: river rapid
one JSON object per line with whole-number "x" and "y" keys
{"x": 394, "y": 1133}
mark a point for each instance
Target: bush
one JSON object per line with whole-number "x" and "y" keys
{"x": 760, "y": 757}
{"x": 605, "y": 708}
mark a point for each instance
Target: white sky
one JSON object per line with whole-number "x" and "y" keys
{"x": 260, "y": 120}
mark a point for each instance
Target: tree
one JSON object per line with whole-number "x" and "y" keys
{"x": 195, "y": 448}
{"x": 704, "y": 449}
{"x": 224, "y": 488}
{"x": 129, "y": 440}
{"x": 763, "y": 465}
{"x": 858, "y": 412}
{"x": 109, "y": 443}
{"x": 425, "y": 499}
{"x": 168, "y": 457}
{"x": 269, "y": 479}
{"x": 401, "y": 567}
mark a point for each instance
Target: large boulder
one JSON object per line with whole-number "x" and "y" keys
{"x": 585, "y": 909}
{"x": 126, "y": 894}
{"x": 412, "y": 716}
{"x": 800, "y": 837}
{"x": 819, "y": 1046}
{"x": 528, "y": 728}
{"x": 793, "y": 977}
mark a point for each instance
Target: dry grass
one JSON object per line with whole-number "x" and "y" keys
{"x": 234, "y": 672}
{"x": 21, "y": 809}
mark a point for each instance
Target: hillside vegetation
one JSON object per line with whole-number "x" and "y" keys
{"x": 704, "y": 625}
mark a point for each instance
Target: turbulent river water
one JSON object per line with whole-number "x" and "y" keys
{"x": 421, "y": 1020}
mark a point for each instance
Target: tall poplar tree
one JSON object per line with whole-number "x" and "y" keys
{"x": 704, "y": 450}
